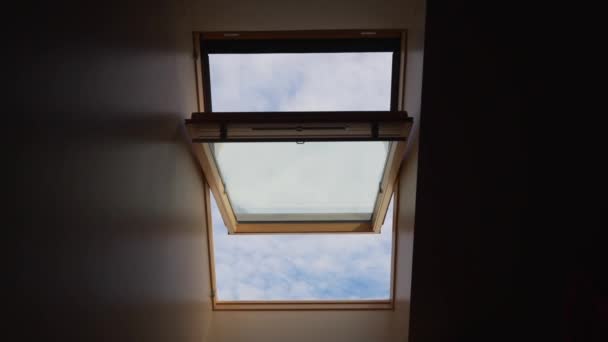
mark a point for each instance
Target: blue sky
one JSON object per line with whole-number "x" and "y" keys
{"x": 310, "y": 266}
{"x": 303, "y": 266}
{"x": 300, "y": 82}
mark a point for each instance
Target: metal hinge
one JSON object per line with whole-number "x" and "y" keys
{"x": 375, "y": 130}
{"x": 212, "y": 294}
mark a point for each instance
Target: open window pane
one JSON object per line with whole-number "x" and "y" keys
{"x": 255, "y": 82}
{"x": 302, "y": 266}
{"x": 314, "y": 181}
{"x": 299, "y": 132}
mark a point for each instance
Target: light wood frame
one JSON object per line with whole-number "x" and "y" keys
{"x": 299, "y": 305}
{"x": 203, "y": 130}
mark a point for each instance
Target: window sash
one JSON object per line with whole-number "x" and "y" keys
{"x": 207, "y": 127}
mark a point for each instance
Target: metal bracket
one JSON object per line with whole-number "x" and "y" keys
{"x": 223, "y": 131}
{"x": 375, "y": 130}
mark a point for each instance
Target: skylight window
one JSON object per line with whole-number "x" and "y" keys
{"x": 300, "y": 132}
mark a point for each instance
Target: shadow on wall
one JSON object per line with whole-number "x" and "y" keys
{"x": 113, "y": 231}
{"x": 111, "y": 242}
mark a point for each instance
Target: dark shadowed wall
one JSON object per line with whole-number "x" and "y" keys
{"x": 469, "y": 267}
{"x": 112, "y": 242}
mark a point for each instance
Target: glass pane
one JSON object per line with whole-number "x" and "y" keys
{"x": 314, "y": 181}
{"x": 302, "y": 266}
{"x": 300, "y": 81}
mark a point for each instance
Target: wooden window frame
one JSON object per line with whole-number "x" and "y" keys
{"x": 301, "y": 305}
{"x": 207, "y": 127}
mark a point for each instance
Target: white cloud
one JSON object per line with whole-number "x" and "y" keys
{"x": 248, "y": 291}
{"x": 258, "y": 267}
{"x": 301, "y": 82}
